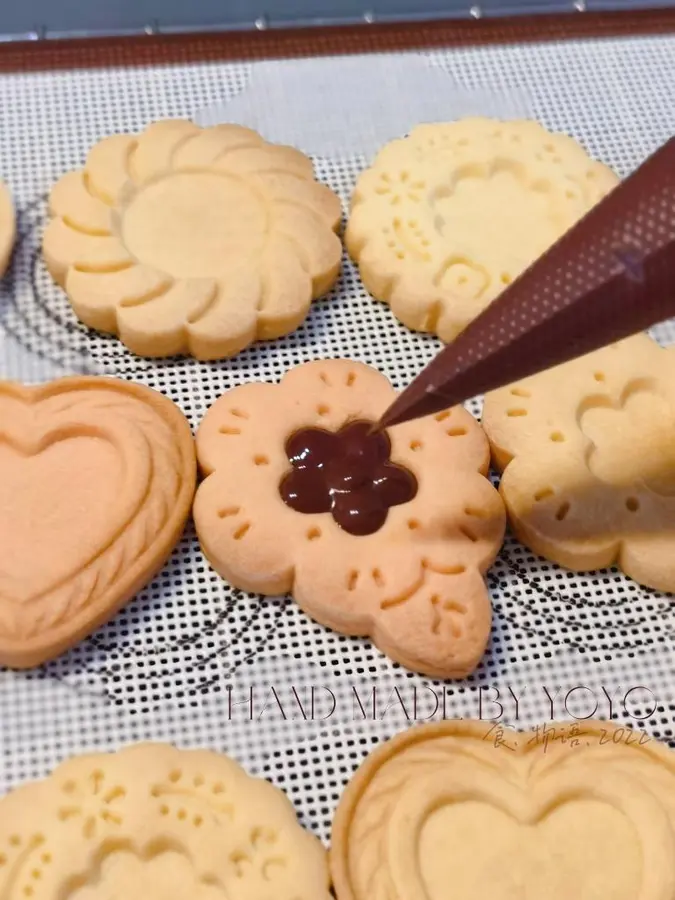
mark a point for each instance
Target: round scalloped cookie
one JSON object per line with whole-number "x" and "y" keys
{"x": 448, "y": 216}
{"x": 152, "y": 822}
{"x": 7, "y": 227}
{"x": 414, "y": 581}
{"x": 184, "y": 240}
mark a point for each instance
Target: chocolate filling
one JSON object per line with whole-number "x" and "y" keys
{"x": 347, "y": 473}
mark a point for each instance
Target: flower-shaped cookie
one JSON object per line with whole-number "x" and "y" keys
{"x": 7, "y": 227}
{"x": 588, "y": 452}
{"x": 447, "y": 217}
{"x": 191, "y": 240}
{"x": 379, "y": 535}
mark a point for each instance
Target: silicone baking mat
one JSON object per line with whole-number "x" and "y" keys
{"x": 196, "y": 663}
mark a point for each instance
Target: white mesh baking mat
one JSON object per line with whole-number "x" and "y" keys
{"x": 196, "y": 663}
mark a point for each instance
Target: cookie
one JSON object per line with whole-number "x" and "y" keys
{"x": 470, "y": 809}
{"x": 588, "y": 453}
{"x": 7, "y": 227}
{"x": 97, "y": 477}
{"x": 380, "y": 535}
{"x": 188, "y": 240}
{"x": 449, "y": 216}
{"x": 150, "y": 823}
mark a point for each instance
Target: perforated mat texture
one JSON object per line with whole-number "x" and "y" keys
{"x": 192, "y": 661}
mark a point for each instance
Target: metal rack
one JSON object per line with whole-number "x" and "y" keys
{"x": 54, "y": 19}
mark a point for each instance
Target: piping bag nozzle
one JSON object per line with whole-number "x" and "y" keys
{"x": 610, "y": 276}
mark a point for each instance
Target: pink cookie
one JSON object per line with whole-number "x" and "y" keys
{"x": 381, "y": 535}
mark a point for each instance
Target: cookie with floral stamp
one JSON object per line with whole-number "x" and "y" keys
{"x": 447, "y": 217}
{"x": 189, "y": 240}
{"x": 588, "y": 457}
{"x": 386, "y": 535}
{"x": 151, "y": 822}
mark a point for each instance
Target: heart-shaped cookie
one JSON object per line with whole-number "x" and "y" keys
{"x": 96, "y": 481}
{"x": 458, "y": 810}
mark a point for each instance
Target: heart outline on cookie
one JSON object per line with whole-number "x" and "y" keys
{"x": 420, "y": 799}
{"x": 131, "y": 497}
{"x": 437, "y": 783}
{"x": 107, "y": 528}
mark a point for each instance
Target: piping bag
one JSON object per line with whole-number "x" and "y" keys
{"x": 611, "y": 275}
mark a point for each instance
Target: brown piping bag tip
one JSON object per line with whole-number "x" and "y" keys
{"x": 610, "y": 276}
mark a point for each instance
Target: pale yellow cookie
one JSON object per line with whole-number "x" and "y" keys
{"x": 447, "y": 217}
{"x": 387, "y": 536}
{"x": 7, "y": 227}
{"x": 184, "y": 240}
{"x": 472, "y": 810}
{"x": 97, "y": 478}
{"x": 588, "y": 452}
{"x": 155, "y": 823}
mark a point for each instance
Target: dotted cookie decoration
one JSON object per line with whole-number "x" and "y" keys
{"x": 588, "y": 453}
{"x": 387, "y": 536}
{"x": 450, "y": 215}
{"x": 152, "y": 822}
{"x": 185, "y": 240}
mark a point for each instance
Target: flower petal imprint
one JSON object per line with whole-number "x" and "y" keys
{"x": 188, "y": 240}
{"x": 447, "y": 217}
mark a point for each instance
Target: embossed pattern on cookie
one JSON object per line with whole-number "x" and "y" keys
{"x": 184, "y": 240}
{"x": 96, "y": 481}
{"x": 588, "y": 452}
{"x": 152, "y": 822}
{"x": 426, "y": 523}
{"x": 446, "y": 218}
{"x": 473, "y": 809}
